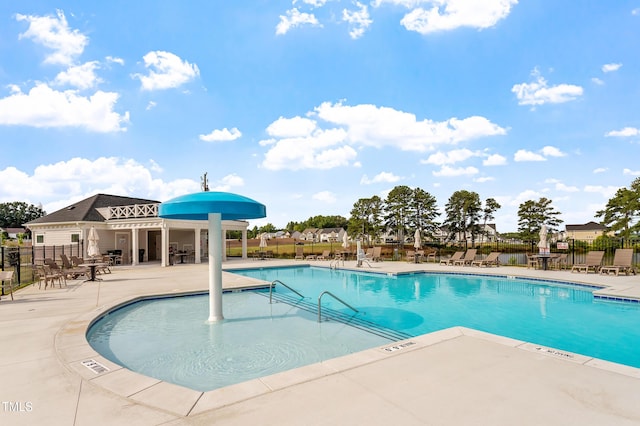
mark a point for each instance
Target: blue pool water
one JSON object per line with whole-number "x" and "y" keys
{"x": 168, "y": 338}
{"x": 545, "y": 313}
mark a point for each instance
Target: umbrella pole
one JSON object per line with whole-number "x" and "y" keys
{"x": 215, "y": 267}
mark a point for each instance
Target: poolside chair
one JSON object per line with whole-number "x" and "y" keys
{"x": 456, "y": 256}
{"x": 591, "y": 263}
{"x": 469, "y": 257}
{"x": 622, "y": 262}
{"x": 326, "y": 254}
{"x": 362, "y": 258}
{"x": 411, "y": 256}
{"x": 299, "y": 253}
{"x": 559, "y": 261}
{"x": 532, "y": 261}
{"x": 6, "y": 282}
{"x": 70, "y": 269}
{"x": 431, "y": 256}
{"x": 377, "y": 254}
{"x": 490, "y": 260}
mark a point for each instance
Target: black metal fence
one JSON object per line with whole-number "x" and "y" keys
{"x": 515, "y": 253}
{"x": 23, "y": 259}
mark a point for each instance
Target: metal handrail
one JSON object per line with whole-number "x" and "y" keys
{"x": 335, "y": 297}
{"x": 273, "y": 284}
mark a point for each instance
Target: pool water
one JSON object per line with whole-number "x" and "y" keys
{"x": 169, "y": 339}
{"x": 546, "y": 313}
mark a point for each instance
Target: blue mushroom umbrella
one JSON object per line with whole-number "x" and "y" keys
{"x": 213, "y": 207}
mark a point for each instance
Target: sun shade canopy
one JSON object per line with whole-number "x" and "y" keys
{"x": 198, "y": 206}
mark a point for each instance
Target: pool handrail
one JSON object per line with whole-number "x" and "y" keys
{"x": 273, "y": 284}
{"x": 335, "y": 297}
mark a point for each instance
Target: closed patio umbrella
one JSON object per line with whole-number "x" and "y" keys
{"x": 417, "y": 242}
{"x": 93, "y": 250}
{"x": 263, "y": 240}
{"x": 345, "y": 241}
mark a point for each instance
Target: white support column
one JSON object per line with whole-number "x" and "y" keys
{"x": 244, "y": 243}
{"x": 196, "y": 242}
{"x": 164, "y": 237}
{"x": 134, "y": 246}
{"x": 215, "y": 267}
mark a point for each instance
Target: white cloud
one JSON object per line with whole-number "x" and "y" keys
{"x": 330, "y": 141}
{"x": 565, "y": 188}
{"x": 374, "y": 126}
{"x": 631, "y": 172}
{"x": 151, "y": 105}
{"x": 451, "y": 157}
{"x": 54, "y": 33}
{"x": 635, "y": 11}
{"x": 226, "y": 183}
{"x": 359, "y": 20}
{"x": 624, "y": 133}
{"x": 524, "y": 155}
{"x": 383, "y": 177}
{"x": 611, "y": 67}
{"x": 80, "y": 76}
{"x": 552, "y": 151}
{"x": 484, "y": 179}
{"x": 324, "y": 196}
{"x": 295, "y": 18}
{"x": 495, "y": 160}
{"x": 446, "y": 171}
{"x": 539, "y": 92}
{"x": 600, "y": 170}
{"x": 445, "y": 15}
{"x": 114, "y": 59}
{"x": 221, "y": 135}
{"x": 291, "y": 127}
{"x": 605, "y": 191}
{"x": 526, "y": 195}
{"x": 44, "y": 107}
{"x": 66, "y": 182}
{"x": 596, "y": 80}
{"x": 314, "y": 3}
{"x": 166, "y": 71}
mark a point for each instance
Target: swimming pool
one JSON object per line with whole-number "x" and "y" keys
{"x": 558, "y": 315}
{"x": 168, "y": 338}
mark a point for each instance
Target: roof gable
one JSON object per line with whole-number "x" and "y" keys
{"x": 85, "y": 210}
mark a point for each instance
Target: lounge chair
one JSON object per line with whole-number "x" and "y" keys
{"x": 299, "y": 253}
{"x": 591, "y": 263}
{"x": 70, "y": 269}
{"x": 326, "y": 254}
{"x": 622, "y": 262}
{"x": 431, "y": 256}
{"x": 456, "y": 256}
{"x": 469, "y": 257}
{"x": 492, "y": 259}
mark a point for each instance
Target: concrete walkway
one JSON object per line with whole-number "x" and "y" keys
{"x": 50, "y": 375}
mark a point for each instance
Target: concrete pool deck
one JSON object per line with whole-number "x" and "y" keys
{"x": 50, "y": 375}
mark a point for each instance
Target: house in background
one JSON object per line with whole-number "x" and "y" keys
{"x": 587, "y": 232}
{"x": 130, "y": 225}
{"x": 12, "y": 233}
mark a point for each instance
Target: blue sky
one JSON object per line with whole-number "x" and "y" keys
{"x": 309, "y": 105}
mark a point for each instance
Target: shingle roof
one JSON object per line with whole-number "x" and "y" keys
{"x": 589, "y": 226}
{"x": 85, "y": 210}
